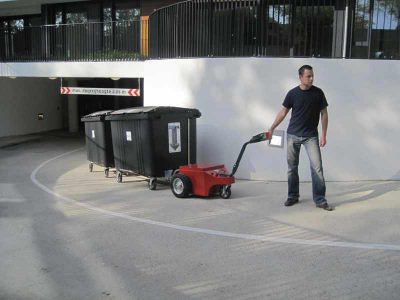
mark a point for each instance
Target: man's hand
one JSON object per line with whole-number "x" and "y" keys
{"x": 322, "y": 141}
{"x": 279, "y": 118}
{"x": 270, "y": 131}
{"x": 324, "y": 121}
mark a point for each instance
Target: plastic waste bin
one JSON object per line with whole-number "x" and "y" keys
{"x": 99, "y": 140}
{"x": 153, "y": 141}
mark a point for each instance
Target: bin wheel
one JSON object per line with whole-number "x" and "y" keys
{"x": 226, "y": 192}
{"x": 106, "y": 171}
{"x": 181, "y": 186}
{"x": 119, "y": 177}
{"x": 90, "y": 167}
{"x": 152, "y": 184}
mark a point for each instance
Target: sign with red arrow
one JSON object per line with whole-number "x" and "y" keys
{"x": 99, "y": 91}
{"x": 65, "y": 91}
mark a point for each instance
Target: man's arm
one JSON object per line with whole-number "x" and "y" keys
{"x": 324, "y": 122}
{"x": 279, "y": 118}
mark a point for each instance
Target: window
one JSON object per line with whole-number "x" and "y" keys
{"x": 130, "y": 14}
{"x": 279, "y": 14}
{"x": 385, "y": 14}
{"x": 76, "y": 18}
{"x": 278, "y": 29}
{"x": 376, "y": 30}
{"x": 127, "y": 10}
{"x": 361, "y": 26}
{"x": 58, "y": 18}
{"x": 385, "y": 31}
{"x": 17, "y": 24}
{"x": 107, "y": 16}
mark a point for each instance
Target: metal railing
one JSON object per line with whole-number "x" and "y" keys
{"x": 218, "y": 28}
{"x": 248, "y": 28}
{"x": 95, "y": 41}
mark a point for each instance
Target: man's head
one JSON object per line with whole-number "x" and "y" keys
{"x": 306, "y": 75}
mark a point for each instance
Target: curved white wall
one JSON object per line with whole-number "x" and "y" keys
{"x": 127, "y": 69}
{"x": 240, "y": 97}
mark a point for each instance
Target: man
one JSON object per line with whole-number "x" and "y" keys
{"x": 308, "y": 103}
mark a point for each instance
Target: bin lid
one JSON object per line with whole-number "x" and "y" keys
{"x": 151, "y": 112}
{"x": 96, "y": 116}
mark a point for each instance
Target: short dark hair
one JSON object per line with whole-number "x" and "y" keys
{"x": 304, "y": 67}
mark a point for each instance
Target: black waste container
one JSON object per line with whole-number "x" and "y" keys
{"x": 153, "y": 141}
{"x": 98, "y": 140}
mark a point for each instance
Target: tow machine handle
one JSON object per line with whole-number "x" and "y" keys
{"x": 263, "y": 136}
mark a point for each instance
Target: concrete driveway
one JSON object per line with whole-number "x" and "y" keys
{"x": 66, "y": 233}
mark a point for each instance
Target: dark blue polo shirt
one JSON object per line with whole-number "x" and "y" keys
{"x": 306, "y": 107}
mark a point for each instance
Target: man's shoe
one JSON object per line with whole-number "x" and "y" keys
{"x": 291, "y": 201}
{"x": 325, "y": 206}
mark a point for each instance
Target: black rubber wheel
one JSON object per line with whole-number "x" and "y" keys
{"x": 119, "y": 177}
{"x": 106, "y": 172}
{"x": 181, "y": 186}
{"x": 90, "y": 167}
{"x": 152, "y": 184}
{"x": 225, "y": 192}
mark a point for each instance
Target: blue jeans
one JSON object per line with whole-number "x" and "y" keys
{"x": 314, "y": 154}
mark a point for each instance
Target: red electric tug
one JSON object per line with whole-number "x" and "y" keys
{"x": 209, "y": 179}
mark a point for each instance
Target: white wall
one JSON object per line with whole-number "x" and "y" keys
{"x": 22, "y": 99}
{"x": 131, "y": 69}
{"x": 240, "y": 97}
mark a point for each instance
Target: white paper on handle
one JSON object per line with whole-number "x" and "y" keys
{"x": 276, "y": 140}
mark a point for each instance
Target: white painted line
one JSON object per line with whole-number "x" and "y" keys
{"x": 206, "y": 231}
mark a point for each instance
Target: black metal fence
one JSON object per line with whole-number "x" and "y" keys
{"x": 221, "y": 28}
{"x": 105, "y": 41}
{"x": 283, "y": 28}
{"x": 245, "y": 28}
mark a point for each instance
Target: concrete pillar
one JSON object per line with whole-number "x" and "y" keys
{"x": 73, "y": 118}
